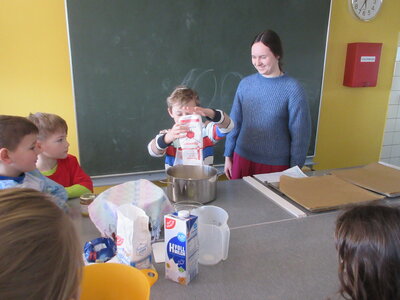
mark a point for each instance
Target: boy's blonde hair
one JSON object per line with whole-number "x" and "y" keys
{"x": 48, "y": 124}
{"x": 13, "y": 129}
{"x": 182, "y": 95}
{"x": 40, "y": 256}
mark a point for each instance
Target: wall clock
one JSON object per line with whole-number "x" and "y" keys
{"x": 365, "y": 10}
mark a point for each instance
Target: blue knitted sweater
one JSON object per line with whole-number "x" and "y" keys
{"x": 272, "y": 121}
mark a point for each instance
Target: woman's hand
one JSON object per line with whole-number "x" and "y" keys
{"x": 176, "y": 132}
{"x": 228, "y": 167}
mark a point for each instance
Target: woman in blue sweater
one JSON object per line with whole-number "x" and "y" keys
{"x": 272, "y": 119}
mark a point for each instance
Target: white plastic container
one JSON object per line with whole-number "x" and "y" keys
{"x": 214, "y": 234}
{"x": 181, "y": 247}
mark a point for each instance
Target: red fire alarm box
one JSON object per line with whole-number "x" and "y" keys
{"x": 362, "y": 64}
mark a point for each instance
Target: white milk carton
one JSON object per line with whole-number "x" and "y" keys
{"x": 182, "y": 247}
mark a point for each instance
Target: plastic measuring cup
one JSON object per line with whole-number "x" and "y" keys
{"x": 213, "y": 234}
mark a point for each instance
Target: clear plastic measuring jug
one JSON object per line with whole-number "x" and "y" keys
{"x": 213, "y": 233}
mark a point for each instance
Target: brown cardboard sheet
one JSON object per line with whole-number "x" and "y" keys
{"x": 375, "y": 177}
{"x": 326, "y": 192}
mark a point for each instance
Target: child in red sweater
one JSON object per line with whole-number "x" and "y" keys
{"x": 54, "y": 160}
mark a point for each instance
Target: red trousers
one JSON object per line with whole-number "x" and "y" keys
{"x": 242, "y": 167}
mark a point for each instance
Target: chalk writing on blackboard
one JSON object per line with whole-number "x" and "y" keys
{"x": 219, "y": 91}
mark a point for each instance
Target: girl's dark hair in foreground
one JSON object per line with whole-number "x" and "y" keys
{"x": 368, "y": 245}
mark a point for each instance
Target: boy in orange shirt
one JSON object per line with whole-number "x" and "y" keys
{"x": 54, "y": 160}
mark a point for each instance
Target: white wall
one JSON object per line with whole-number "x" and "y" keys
{"x": 391, "y": 142}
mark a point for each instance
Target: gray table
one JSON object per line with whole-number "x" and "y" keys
{"x": 246, "y": 206}
{"x": 291, "y": 259}
{"x": 272, "y": 254}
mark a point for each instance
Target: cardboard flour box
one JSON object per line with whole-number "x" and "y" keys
{"x": 182, "y": 247}
{"x": 192, "y": 143}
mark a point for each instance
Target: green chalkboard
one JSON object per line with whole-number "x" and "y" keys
{"x": 128, "y": 55}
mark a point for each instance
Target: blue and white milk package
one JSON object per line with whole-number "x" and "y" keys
{"x": 182, "y": 247}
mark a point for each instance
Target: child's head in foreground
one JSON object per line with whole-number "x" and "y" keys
{"x": 18, "y": 145}
{"x": 181, "y": 97}
{"x": 40, "y": 255}
{"x": 368, "y": 245}
{"x": 52, "y": 136}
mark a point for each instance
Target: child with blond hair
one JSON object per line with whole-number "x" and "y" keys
{"x": 18, "y": 156}
{"x": 54, "y": 160}
{"x": 185, "y": 101}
